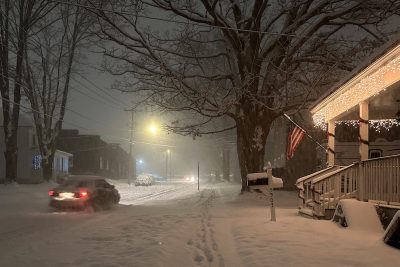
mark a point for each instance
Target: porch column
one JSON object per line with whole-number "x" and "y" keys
{"x": 331, "y": 143}
{"x": 364, "y": 131}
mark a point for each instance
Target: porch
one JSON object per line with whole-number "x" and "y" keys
{"x": 368, "y": 97}
{"x": 376, "y": 180}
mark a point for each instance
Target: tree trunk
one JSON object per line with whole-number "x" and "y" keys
{"x": 252, "y": 133}
{"x": 11, "y": 157}
{"x": 48, "y": 168}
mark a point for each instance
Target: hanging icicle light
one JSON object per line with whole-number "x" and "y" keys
{"x": 350, "y": 95}
{"x": 377, "y": 125}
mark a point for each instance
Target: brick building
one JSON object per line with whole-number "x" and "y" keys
{"x": 92, "y": 155}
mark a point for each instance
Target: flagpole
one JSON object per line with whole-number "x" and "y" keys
{"x": 308, "y": 135}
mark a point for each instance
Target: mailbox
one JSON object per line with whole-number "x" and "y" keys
{"x": 260, "y": 180}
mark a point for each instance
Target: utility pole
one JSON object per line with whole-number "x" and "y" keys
{"x": 198, "y": 176}
{"x": 130, "y": 148}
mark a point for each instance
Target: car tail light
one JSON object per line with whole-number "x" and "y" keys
{"x": 83, "y": 194}
{"x": 52, "y": 193}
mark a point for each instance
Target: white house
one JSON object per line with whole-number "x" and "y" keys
{"x": 368, "y": 97}
{"x": 29, "y": 159}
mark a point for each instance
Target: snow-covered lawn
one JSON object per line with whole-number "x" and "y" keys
{"x": 216, "y": 227}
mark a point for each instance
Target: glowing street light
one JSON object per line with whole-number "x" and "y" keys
{"x": 140, "y": 161}
{"x": 153, "y": 129}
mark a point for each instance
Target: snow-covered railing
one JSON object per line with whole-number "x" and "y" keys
{"x": 370, "y": 180}
{"x": 303, "y": 184}
{"x": 328, "y": 189}
{"x": 380, "y": 180}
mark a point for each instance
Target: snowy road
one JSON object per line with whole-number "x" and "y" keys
{"x": 136, "y": 195}
{"x": 174, "y": 225}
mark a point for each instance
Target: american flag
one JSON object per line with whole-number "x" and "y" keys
{"x": 294, "y": 138}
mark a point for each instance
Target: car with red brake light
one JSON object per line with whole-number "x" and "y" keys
{"x": 83, "y": 192}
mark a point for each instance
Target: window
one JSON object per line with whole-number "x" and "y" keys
{"x": 36, "y": 162}
{"x": 101, "y": 163}
{"x": 102, "y": 184}
{"x": 375, "y": 153}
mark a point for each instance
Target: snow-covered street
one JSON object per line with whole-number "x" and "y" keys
{"x": 174, "y": 225}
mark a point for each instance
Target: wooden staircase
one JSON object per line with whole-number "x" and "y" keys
{"x": 375, "y": 180}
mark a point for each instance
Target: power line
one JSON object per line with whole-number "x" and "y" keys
{"x": 198, "y": 24}
{"x": 115, "y": 106}
{"x": 104, "y": 91}
{"x": 84, "y": 128}
{"x": 83, "y": 116}
{"x": 100, "y": 101}
{"x": 92, "y": 130}
{"x": 66, "y": 108}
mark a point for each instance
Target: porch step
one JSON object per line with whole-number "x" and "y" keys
{"x": 306, "y": 212}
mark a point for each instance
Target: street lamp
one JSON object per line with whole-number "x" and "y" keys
{"x": 153, "y": 128}
{"x": 139, "y": 165}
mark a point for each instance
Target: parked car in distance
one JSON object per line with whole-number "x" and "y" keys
{"x": 84, "y": 192}
{"x": 144, "y": 179}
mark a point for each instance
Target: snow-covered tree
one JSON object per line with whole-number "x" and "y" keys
{"x": 49, "y": 63}
{"x": 247, "y": 60}
{"x": 17, "y": 18}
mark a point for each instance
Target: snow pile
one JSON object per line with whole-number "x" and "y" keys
{"x": 392, "y": 233}
{"x": 361, "y": 216}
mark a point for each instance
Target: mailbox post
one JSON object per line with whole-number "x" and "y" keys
{"x": 271, "y": 192}
{"x": 265, "y": 182}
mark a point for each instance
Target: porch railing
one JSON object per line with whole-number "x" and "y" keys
{"x": 330, "y": 188}
{"x": 303, "y": 184}
{"x": 380, "y": 180}
{"x": 370, "y": 180}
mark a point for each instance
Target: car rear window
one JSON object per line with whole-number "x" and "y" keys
{"x": 77, "y": 183}
{"x": 102, "y": 183}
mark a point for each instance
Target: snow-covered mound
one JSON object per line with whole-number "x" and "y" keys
{"x": 358, "y": 215}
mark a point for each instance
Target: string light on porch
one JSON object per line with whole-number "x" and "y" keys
{"x": 377, "y": 125}
{"x": 368, "y": 87}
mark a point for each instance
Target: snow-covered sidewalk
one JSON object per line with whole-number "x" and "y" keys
{"x": 215, "y": 227}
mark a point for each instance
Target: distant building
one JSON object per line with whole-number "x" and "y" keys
{"x": 61, "y": 165}
{"x": 92, "y": 155}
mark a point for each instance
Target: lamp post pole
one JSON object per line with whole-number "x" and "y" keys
{"x": 167, "y": 159}
{"x": 130, "y": 148}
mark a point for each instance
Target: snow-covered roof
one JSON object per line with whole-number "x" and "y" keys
{"x": 63, "y": 153}
{"x": 379, "y": 52}
{"x": 376, "y": 74}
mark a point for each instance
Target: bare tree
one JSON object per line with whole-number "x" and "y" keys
{"x": 248, "y": 60}
{"x": 48, "y": 68}
{"x": 16, "y": 19}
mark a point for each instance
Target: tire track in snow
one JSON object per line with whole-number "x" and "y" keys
{"x": 152, "y": 196}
